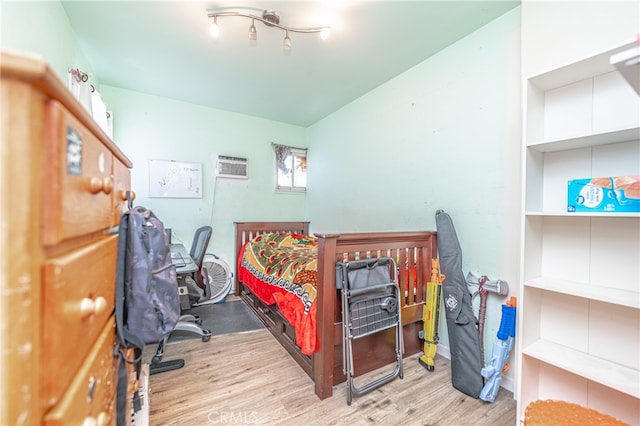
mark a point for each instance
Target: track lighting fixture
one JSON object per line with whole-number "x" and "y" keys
{"x": 271, "y": 19}
{"x": 253, "y": 34}
{"x": 287, "y": 42}
{"x": 214, "y": 30}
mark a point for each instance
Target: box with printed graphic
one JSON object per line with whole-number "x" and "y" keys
{"x": 604, "y": 194}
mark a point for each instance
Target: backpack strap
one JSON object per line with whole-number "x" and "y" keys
{"x": 124, "y": 339}
{"x": 120, "y": 271}
{"x": 129, "y": 200}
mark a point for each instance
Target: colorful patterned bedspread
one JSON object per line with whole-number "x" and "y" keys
{"x": 282, "y": 268}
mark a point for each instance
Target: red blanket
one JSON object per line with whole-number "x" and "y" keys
{"x": 282, "y": 269}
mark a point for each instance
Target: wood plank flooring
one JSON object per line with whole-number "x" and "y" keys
{"x": 248, "y": 378}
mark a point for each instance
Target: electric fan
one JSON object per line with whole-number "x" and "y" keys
{"x": 217, "y": 277}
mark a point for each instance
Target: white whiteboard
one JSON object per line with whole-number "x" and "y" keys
{"x": 174, "y": 179}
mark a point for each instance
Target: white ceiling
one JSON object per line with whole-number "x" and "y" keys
{"x": 164, "y": 48}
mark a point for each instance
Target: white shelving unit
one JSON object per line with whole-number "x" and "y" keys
{"x": 579, "y": 313}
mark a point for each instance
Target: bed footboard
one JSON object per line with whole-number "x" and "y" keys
{"x": 413, "y": 252}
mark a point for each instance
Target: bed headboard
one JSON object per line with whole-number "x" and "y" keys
{"x": 245, "y": 231}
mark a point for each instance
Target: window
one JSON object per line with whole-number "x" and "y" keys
{"x": 291, "y": 168}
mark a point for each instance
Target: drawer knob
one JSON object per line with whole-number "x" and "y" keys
{"x": 89, "y": 306}
{"x": 96, "y": 185}
{"x": 103, "y": 419}
{"x": 90, "y": 421}
{"x": 123, "y": 195}
{"x": 107, "y": 185}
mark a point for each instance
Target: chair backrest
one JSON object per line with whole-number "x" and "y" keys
{"x": 200, "y": 244}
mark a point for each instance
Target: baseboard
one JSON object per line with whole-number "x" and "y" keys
{"x": 444, "y": 351}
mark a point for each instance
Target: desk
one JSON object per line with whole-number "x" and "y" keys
{"x": 185, "y": 266}
{"x": 182, "y": 259}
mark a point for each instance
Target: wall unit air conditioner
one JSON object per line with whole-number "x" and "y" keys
{"x": 232, "y": 167}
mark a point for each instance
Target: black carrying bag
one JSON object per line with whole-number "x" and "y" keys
{"x": 147, "y": 300}
{"x": 464, "y": 341}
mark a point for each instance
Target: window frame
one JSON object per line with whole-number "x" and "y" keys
{"x": 294, "y": 152}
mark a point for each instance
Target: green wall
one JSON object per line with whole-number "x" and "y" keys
{"x": 147, "y": 127}
{"x": 443, "y": 135}
{"x": 42, "y": 27}
{"x": 152, "y": 128}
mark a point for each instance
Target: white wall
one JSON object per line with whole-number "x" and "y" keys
{"x": 555, "y": 34}
{"x": 575, "y": 29}
{"x": 443, "y": 135}
{"x": 149, "y": 127}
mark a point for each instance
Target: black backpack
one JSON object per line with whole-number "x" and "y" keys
{"x": 147, "y": 301}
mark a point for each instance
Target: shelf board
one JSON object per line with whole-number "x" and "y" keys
{"x": 602, "y": 138}
{"x": 580, "y": 70}
{"x": 615, "y": 376}
{"x": 595, "y": 292}
{"x": 628, "y": 65}
{"x": 583, "y": 214}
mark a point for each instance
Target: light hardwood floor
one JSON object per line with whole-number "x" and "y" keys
{"x": 248, "y": 378}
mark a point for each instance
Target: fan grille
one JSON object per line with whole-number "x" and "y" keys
{"x": 218, "y": 276}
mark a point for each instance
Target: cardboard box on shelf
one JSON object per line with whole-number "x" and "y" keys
{"x": 604, "y": 194}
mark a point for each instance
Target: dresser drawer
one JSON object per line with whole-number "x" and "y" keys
{"x": 91, "y": 397}
{"x": 78, "y": 298}
{"x": 78, "y": 178}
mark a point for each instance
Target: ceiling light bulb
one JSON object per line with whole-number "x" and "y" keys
{"x": 287, "y": 43}
{"x": 325, "y": 33}
{"x": 214, "y": 30}
{"x": 253, "y": 34}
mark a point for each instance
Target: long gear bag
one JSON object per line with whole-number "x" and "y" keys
{"x": 464, "y": 341}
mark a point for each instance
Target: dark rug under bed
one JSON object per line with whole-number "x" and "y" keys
{"x": 222, "y": 318}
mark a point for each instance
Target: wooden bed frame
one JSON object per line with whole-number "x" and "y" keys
{"x": 371, "y": 352}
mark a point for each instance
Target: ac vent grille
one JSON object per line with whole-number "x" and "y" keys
{"x": 232, "y": 167}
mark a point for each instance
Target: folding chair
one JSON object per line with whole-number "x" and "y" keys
{"x": 370, "y": 303}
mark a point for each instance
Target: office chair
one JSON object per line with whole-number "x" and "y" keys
{"x": 213, "y": 276}
{"x": 187, "y": 322}
{"x": 198, "y": 250}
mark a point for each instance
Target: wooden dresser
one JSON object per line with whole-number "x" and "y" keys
{"x": 62, "y": 192}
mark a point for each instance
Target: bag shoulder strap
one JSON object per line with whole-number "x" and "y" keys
{"x": 126, "y": 339}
